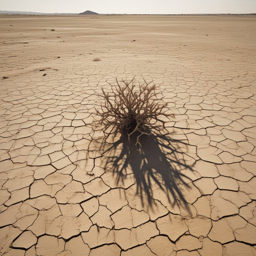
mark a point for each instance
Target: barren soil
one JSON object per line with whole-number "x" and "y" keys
{"x": 189, "y": 192}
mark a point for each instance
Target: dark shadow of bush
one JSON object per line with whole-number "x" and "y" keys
{"x": 158, "y": 162}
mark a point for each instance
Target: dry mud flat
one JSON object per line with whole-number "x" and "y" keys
{"x": 51, "y": 203}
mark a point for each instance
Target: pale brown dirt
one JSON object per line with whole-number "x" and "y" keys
{"x": 57, "y": 200}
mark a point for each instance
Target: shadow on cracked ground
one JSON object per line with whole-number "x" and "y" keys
{"x": 158, "y": 162}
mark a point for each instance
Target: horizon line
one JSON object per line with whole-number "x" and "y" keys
{"x": 64, "y": 13}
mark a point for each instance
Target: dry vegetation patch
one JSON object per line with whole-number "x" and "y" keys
{"x": 129, "y": 106}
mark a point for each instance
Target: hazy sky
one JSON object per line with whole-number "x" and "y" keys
{"x": 131, "y": 6}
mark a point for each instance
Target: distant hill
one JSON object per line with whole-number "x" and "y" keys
{"x": 88, "y": 13}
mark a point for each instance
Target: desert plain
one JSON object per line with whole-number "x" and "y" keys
{"x": 197, "y": 194}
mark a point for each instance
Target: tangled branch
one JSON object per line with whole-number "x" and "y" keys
{"x": 131, "y": 107}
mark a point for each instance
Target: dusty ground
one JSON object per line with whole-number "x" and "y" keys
{"x": 54, "y": 202}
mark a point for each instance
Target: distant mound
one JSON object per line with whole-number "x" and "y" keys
{"x": 88, "y": 13}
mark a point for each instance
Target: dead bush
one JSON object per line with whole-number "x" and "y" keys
{"x": 129, "y": 106}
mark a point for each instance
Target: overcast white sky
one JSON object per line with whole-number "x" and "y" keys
{"x": 131, "y": 6}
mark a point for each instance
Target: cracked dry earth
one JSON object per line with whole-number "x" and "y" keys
{"x": 57, "y": 200}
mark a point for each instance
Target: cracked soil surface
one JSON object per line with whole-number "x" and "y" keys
{"x": 197, "y": 192}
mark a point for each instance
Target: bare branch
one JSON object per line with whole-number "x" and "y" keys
{"x": 129, "y": 107}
